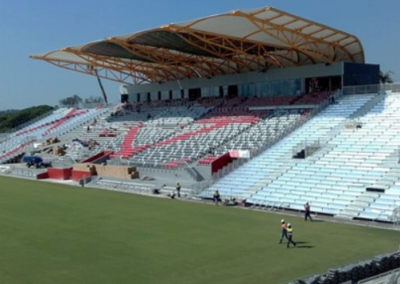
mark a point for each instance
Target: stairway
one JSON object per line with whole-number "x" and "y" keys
{"x": 389, "y": 179}
{"x": 357, "y": 206}
{"x": 270, "y": 178}
{"x": 368, "y": 106}
{"x": 127, "y": 148}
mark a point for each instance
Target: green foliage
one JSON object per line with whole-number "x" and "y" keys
{"x": 72, "y": 101}
{"x": 94, "y": 100}
{"x": 386, "y": 78}
{"x": 53, "y": 233}
{"x": 12, "y": 120}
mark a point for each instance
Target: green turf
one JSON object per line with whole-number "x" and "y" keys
{"x": 58, "y": 234}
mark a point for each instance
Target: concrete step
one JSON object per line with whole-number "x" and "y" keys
{"x": 382, "y": 186}
{"x": 360, "y": 204}
{"x": 344, "y": 215}
{"x": 352, "y": 210}
{"x": 393, "y": 175}
{"x": 367, "y": 199}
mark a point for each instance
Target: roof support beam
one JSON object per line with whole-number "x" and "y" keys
{"x": 119, "y": 65}
{"x": 179, "y": 62}
{"x": 307, "y": 40}
{"x": 120, "y": 77}
{"x": 239, "y": 51}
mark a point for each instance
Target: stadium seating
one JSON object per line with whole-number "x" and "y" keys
{"x": 358, "y": 138}
{"x": 196, "y": 140}
{"x": 60, "y": 122}
{"x": 177, "y": 116}
{"x": 269, "y": 101}
{"x": 336, "y": 178}
{"x": 263, "y": 132}
{"x": 275, "y": 179}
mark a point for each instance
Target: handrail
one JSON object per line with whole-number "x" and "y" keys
{"x": 368, "y": 89}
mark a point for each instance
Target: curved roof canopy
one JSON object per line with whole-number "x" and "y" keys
{"x": 229, "y": 43}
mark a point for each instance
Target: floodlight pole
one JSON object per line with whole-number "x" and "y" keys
{"x": 101, "y": 86}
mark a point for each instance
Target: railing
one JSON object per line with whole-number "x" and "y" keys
{"x": 390, "y": 277}
{"x": 369, "y": 89}
{"x": 308, "y": 147}
{"x": 28, "y": 173}
{"x": 124, "y": 186}
{"x": 65, "y": 162}
{"x": 193, "y": 173}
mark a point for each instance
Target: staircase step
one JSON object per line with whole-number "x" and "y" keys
{"x": 353, "y": 209}
{"x": 360, "y": 203}
{"x": 348, "y": 216}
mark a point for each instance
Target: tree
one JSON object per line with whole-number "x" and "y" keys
{"x": 10, "y": 120}
{"x": 386, "y": 78}
{"x": 74, "y": 100}
{"x": 94, "y": 100}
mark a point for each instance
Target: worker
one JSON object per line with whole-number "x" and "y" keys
{"x": 216, "y": 197}
{"x": 178, "y": 189}
{"x": 307, "y": 211}
{"x": 283, "y": 231}
{"x": 290, "y": 235}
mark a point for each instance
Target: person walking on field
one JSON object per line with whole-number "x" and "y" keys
{"x": 178, "y": 189}
{"x": 216, "y": 197}
{"x": 290, "y": 236}
{"x": 307, "y": 212}
{"x": 283, "y": 231}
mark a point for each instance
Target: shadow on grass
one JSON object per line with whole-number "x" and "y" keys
{"x": 303, "y": 245}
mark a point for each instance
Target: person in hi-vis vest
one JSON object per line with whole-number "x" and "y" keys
{"x": 290, "y": 235}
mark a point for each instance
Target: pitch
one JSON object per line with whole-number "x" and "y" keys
{"x": 51, "y": 233}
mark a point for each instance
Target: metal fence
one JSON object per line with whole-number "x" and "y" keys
{"x": 371, "y": 89}
{"x": 309, "y": 147}
{"x": 26, "y": 172}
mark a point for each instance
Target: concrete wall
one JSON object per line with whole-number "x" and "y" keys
{"x": 274, "y": 74}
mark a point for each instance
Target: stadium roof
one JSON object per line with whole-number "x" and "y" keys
{"x": 229, "y": 43}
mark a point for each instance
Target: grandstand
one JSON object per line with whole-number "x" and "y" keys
{"x": 221, "y": 103}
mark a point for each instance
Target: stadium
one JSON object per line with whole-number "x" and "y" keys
{"x": 227, "y": 126}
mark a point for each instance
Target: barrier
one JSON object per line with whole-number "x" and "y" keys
{"x": 78, "y": 175}
{"x": 97, "y": 156}
{"x": 220, "y": 162}
{"x": 122, "y": 172}
{"x": 42, "y": 176}
{"x": 59, "y": 174}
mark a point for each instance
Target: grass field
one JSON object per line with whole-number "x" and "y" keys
{"x": 58, "y": 234}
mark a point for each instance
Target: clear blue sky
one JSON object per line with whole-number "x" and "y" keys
{"x": 34, "y": 26}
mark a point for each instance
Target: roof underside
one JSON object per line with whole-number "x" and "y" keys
{"x": 234, "y": 42}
